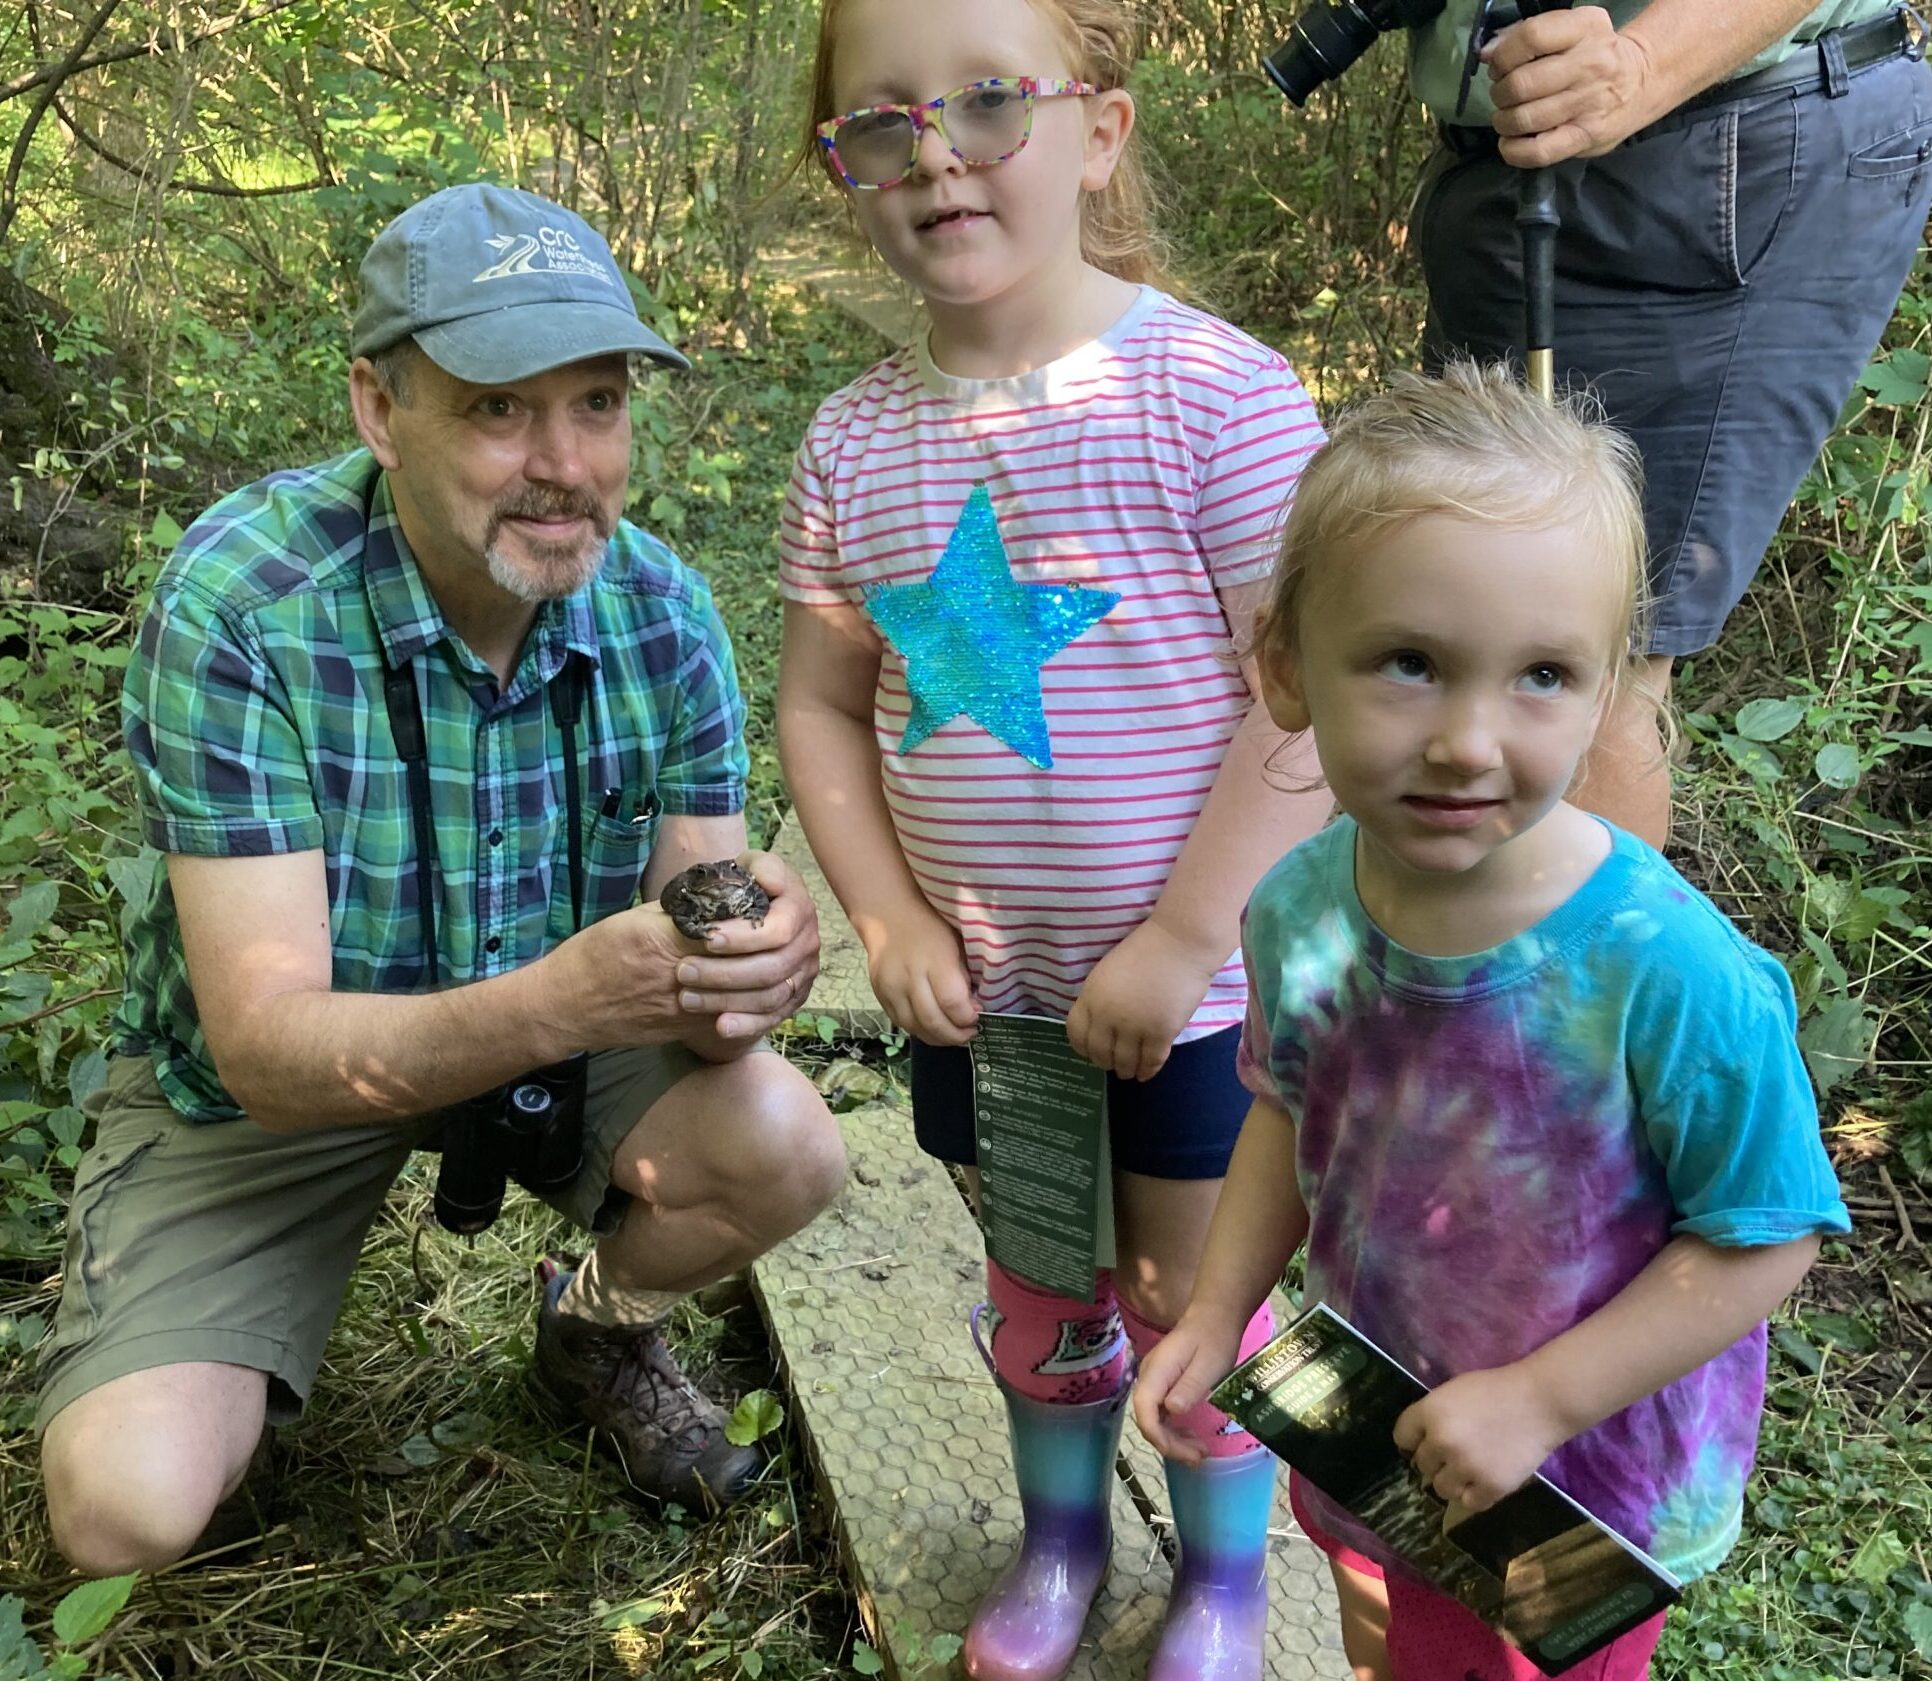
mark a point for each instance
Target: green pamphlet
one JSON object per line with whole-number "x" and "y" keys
{"x": 1046, "y": 1174}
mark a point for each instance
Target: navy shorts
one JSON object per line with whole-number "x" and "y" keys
{"x": 1723, "y": 277}
{"x": 1181, "y": 1124}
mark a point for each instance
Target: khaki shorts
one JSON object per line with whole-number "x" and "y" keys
{"x": 228, "y": 1243}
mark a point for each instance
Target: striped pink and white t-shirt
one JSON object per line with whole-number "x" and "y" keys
{"x": 1156, "y": 461}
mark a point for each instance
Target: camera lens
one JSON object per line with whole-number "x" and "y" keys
{"x": 1327, "y": 38}
{"x": 1324, "y": 41}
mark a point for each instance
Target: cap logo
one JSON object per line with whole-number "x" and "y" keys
{"x": 554, "y": 249}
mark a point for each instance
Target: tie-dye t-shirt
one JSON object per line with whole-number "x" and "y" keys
{"x": 1493, "y": 1146}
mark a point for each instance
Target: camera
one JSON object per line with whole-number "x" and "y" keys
{"x": 530, "y": 1129}
{"x": 1327, "y": 38}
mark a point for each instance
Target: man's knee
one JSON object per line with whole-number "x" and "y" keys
{"x": 770, "y": 1148}
{"x": 135, "y": 1468}
{"x": 110, "y": 1515}
{"x": 786, "y": 1147}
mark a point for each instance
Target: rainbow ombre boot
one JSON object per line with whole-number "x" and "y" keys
{"x": 1218, "y": 1613}
{"x": 1028, "y": 1626}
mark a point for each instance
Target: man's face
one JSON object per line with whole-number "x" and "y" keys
{"x": 524, "y": 480}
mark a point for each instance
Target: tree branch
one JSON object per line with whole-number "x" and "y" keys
{"x": 64, "y": 1004}
{"x": 9, "y": 190}
{"x": 220, "y": 189}
{"x": 153, "y": 47}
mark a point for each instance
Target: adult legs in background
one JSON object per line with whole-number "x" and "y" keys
{"x": 1626, "y": 774}
{"x": 1722, "y": 279}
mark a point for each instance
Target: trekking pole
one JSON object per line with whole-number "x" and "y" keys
{"x": 1537, "y": 223}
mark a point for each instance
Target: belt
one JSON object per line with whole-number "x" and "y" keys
{"x": 1824, "y": 64}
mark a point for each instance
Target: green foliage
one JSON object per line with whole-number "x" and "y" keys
{"x": 1829, "y": 1582}
{"x": 79, "y": 1620}
{"x": 756, "y": 1416}
{"x": 68, "y": 851}
{"x": 1822, "y": 779}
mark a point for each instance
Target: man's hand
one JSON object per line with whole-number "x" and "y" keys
{"x": 1178, "y": 1374}
{"x": 1138, "y": 997}
{"x": 1568, "y": 85}
{"x": 750, "y": 979}
{"x": 633, "y": 979}
{"x": 1480, "y": 1436}
{"x": 919, "y": 976}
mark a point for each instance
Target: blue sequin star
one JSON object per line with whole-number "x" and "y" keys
{"x": 974, "y": 639}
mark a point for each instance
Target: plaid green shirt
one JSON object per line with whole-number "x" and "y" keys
{"x": 254, "y": 715}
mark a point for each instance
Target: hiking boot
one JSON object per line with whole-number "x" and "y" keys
{"x": 623, "y": 1382}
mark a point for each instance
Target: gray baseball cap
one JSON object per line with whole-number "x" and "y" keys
{"x": 495, "y": 285}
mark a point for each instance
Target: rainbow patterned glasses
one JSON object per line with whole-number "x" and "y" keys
{"x": 982, "y": 124}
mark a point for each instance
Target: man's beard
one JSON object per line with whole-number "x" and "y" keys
{"x": 552, "y": 570}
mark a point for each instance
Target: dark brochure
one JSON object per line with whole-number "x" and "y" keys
{"x": 1555, "y": 1582}
{"x": 1046, "y": 1179}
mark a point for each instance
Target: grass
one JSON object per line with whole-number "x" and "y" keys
{"x": 431, "y": 1521}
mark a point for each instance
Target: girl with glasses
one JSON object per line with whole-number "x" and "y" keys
{"x": 1019, "y": 737}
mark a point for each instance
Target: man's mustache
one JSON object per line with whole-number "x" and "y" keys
{"x": 561, "y": 505}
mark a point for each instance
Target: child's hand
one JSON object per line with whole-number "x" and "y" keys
{"x": 1480, "y": 1436}
{"x": 1138, "y": 997}
{"x": 919, "y": 975}
{"x": 1188, "y": 1362}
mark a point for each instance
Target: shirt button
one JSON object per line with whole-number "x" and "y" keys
{"x": 493, "y": 944}
{"x": 496, "y": 837}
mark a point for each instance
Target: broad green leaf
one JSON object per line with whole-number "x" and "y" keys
{"x": 710, "y": 1659}
{"x": 1769, "y": 720}
{"x": 164, "y": 533}
{"x": 1828, "y": 965}
{"x": 19, "y": 1654}
{"x": 1836, "y": 1042}
{"x": 1918, "y": 1626}
{"x": 1899, "y": 380}
{"x": 420, "y": 1451}
{"x": 752, "y": 1663}
{"x": 1881, "y": 1554}
{"x": 32, "y": 909}
{"x": 459, "y": 1432}
{"x": 638, "y": 1611}
{"x": 943, "y": 1648}
{"x": 1837, "y": 765}
{"x": 754, "y": 1418}
{"x": 133, "y": 878}
{"x": 1753, "y": 757}
{"x": 1842, "y": 1329}
{"x": 85, "y": 1612}
{"x": 1918, "y": 637}
{"x": 86, "y": 1075}
{"x": 21, "y": 994}
{"x": 865, "y": 1660}
{"x": 1798, "y": 1349}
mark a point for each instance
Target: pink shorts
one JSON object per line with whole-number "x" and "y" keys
{"x": 1432, "y": 1638}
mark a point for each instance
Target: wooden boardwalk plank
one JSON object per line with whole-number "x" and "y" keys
{"x": 906, "y": 1433}
{"x": 843, "y": 989}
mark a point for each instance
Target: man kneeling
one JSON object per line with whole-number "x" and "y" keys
{"x": 411, "y": 728}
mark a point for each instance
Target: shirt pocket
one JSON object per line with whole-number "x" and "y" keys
{"x": 617, "y": 838}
